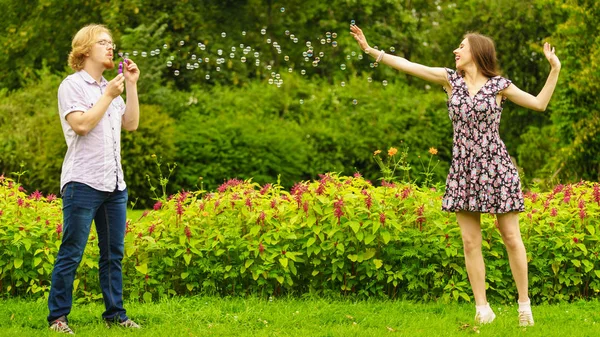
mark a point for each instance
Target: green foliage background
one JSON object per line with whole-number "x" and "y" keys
{"x": 238, "y": 125}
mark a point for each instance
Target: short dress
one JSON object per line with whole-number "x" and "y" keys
{"x": 482, "y": 178}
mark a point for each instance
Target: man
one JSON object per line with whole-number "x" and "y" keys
{"x": 92, "y": 113}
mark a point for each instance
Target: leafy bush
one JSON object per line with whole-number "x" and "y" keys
{"x": 335, "y": 235}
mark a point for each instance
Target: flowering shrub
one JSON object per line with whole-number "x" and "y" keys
{"x": 334, "y": 235}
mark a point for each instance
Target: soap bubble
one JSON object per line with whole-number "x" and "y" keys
{"x": 334, "y": 35}
{"x": 282, "y": 9}
{"x": 181, "y": 43}
{"x": 263, "y": 31}
{"x": 392, "y": 49}
{"x": 343, "y": 66}
{"x": 135, "y": 52}
{"x": 165, "y": 46}
{"x": 207, "y": 76}
{"x": 243, "y": 59}
{"x": 286, "y": 58}
{"x": 343, "y": 84}
{"x": 144, "y": 54}
{"x": 223, "y": 34}
{"x": 169, "y": 64}
{"x": 303, "y": 72}
{"x": 354, "y": 101}
{"x": 352, "y": 22}
{"x": 301, "y": 101}
{"x": 385, "y": 83}
{"x": 176, "y": 72}
{"x": 334, "y": 43}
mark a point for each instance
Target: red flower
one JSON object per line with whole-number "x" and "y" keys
{"x": 265, "y": 189}
{"x": 386, "y": 184}
{"x": 51, "y": 197}
{"x": 261, "y": 248}
{"x": 249, "y": 203}
{"x": 305, "y": 207}
{"x": 382, "y": 218}
{"x": 37, "y": 195}
{"x": 158, "y": 205}
{"x": 582, "y": 214}
{"x": 575, "y": 240}
{"x": 357, "y": 175}
{"x": 283, "y": 252}
{"x": 188, "y": 233}
{"x": 558, "y": 188}
{"x": 338, "y": 212}
{"x": 151, "y": 229}
{"x": 59, "y": 229}
{"x": 581, "y": 204}
{"x": 553, "y": 211}
{"x": 274, "y": 203}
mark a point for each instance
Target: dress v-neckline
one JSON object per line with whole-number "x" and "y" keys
{"x": 477, "y": 93}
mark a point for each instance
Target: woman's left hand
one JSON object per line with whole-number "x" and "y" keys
{"x": 551, "y": 56}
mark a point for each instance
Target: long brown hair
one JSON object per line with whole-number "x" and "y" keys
{"x": 483, "y": 51}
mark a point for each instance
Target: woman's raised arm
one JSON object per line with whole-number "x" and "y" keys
{"x": 432, "y": 74}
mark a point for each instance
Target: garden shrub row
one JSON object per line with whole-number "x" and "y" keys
{"x": 335, "y": 235}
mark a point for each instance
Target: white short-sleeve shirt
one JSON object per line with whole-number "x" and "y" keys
{"x": 93, "y": 159}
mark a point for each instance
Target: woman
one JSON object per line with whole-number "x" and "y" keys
{"x": 482, "y": 178}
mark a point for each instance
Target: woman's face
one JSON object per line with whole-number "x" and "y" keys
{"x": 462, "y": 54}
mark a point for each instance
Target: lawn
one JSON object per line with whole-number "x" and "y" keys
{"x": 212, "y": 316}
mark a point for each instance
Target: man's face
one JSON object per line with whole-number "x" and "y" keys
{"x": 102, "y": 51}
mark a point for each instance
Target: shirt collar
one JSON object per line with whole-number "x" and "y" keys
{"x": 89, "y": 79}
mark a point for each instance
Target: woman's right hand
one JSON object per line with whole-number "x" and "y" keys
{"x": 358, "y": 35}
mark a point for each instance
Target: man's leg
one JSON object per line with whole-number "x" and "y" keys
{"x": 110, "y": 225}
{"x": 79, "y": 206}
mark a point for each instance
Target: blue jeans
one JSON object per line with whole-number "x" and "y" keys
{"x": 81, "y": 205}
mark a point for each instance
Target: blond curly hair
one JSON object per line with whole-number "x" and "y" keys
{"x": 82, "y": 44}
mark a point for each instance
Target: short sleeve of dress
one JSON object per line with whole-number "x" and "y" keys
{"x": 500, "y": 84}
{"x": 452, "y": 77}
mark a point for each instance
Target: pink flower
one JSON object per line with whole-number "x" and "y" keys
{"x": 59, "y": 229}
{"x": 581, "y": 204}
{"x": 553, "y": 212}
{"x": 249, "y": 203}
{"x": 51, "y": 197}
{"x": 157, "y": 205}
{"x": 21, "y": 189}
{"x": 305, "y": 207}
{"x": 558, "y": 188}
{"x": 20, "y": 202}
{"x": 357, "y": 175}
{"x": 274, "y": 203}
{"x": 386, "y": 184}
{"x": 382, "y": 218}
{"x": 338, "y": 212}
{"x": 261, "y": 217}
{"x": 265, "y": 189}
{"x": 151, "y": 229}
{"x": 179, "y": 207}
{"x": 188, "y": 232}
{"x": 37, "y": 195}
{"x": 582, "y": 214}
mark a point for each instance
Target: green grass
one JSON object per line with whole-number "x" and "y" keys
{"x": 211, "y": 316}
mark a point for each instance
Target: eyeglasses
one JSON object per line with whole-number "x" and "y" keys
{"x": 107, "y": 44}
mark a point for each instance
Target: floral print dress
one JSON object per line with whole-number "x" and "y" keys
{"x": 482, "y": 178}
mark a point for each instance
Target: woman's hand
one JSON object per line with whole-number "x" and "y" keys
{"x": 359, "y": 37}
{"x": 551, "y": 56}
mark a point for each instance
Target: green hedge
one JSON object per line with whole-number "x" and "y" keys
{"x": 337, "y": 235}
